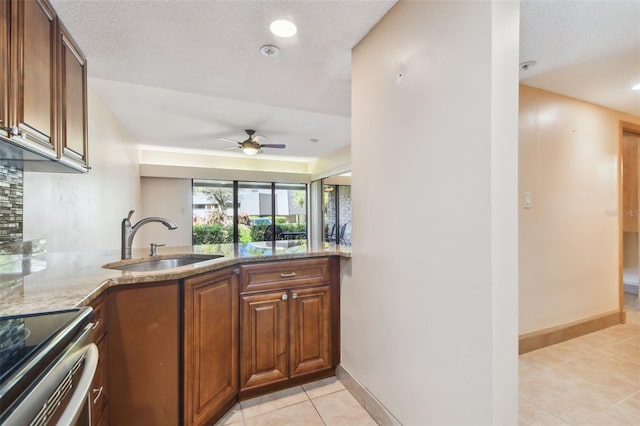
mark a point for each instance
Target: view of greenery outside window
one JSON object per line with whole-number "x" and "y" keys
{"x": 213, "y": 212}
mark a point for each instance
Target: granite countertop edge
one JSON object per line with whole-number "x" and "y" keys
{"x": 73, "y": 280}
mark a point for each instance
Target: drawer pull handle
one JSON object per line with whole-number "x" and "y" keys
{"x": 288, "y": 274}
{"x": 99, "y": 392}
{"x": 95, "y": 325}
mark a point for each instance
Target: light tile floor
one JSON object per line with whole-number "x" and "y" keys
{"x": 590, "y": 380}
{"x": 325, "y": 402}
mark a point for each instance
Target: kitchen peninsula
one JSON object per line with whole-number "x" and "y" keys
{"x": 192, "y": 340}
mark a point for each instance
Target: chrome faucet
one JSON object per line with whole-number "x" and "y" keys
{"x": 129, "y": 231}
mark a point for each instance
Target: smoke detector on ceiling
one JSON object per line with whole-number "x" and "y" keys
{"x": 526, "y": 66}
{"x": 269, "y": 51}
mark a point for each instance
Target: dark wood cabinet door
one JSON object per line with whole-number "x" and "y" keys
{"x": 72, "y": 123}
{"x": 144, "y": 329}
{"x": 33, "y": 74}
{"x": 310, "y": 329}
{"x": 264, "y": 337}
{"x": 210, "y": 346}
{"x": 4, "y": 66}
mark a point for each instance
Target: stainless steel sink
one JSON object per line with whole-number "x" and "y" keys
{"x": 161, "y": 264}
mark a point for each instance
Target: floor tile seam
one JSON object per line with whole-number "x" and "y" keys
{"x": 275, "y": 409}
{"x": 316, "y": 408}
{"x": 324, "y": 394}
{"x": 282, "y": 408}
{"x": 622, "y": 358}
{"x": 547, "y": 412}
{"x": 620, "y": 407}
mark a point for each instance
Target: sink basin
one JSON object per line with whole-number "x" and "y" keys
{"x": 161, "y": 264}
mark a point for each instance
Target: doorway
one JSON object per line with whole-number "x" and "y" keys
{"x": 630, "y": 217}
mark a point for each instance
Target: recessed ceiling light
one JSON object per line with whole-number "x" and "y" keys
{"x": 283, "y": 28}
{"x": 527, "y": 65}
{"x": 636, "y": 87}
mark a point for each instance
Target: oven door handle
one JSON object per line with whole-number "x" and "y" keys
{"x": 81, "y": 394}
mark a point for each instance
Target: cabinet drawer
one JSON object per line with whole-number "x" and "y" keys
{"x": 98, "y": 392}
{"x": 99, "y": 319}
{"x": 284, "y": 274}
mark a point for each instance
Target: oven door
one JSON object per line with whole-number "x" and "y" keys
{"x": 60, "y": 395}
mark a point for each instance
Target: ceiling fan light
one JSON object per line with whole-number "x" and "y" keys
{"x": 283, "y": 28}
{"x": 636, "y": 87}
{"x": 249, "y": 150}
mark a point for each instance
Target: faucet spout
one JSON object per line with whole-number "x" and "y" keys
{"x": 129, "y": 231}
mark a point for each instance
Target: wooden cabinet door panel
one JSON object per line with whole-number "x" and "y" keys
{"x": 144, "y": 325}
{"x": 4, "y": 65}
{"x": 33, "y": 83}
{"x": 211, "y": 344}
{"x": 72, "y": 73}
{"x": 263, "y": 345}
{"x": 310, "y": 348}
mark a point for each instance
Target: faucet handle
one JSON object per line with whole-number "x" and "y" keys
{"x": 154, "y": 248}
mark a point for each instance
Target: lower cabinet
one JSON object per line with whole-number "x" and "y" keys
{"x": 144, "y": 323}
{"x": 183, "y": 352}
{"x": 210, "y": 376}
{"x": 290, "y": 333}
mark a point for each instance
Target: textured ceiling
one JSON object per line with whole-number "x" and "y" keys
{"x": 179, "y": 74}
{"x": 588, "y": 50}
{"x": 206, "y": 54}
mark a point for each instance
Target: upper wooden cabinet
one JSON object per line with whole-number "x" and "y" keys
{"x": 43, "y": 101}
{"x": 32, "y": 92}
{"x": 72, "y": 123}
{"x": 4, "y": 65}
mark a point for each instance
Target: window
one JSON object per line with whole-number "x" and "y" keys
{"x": 336, "y": 213}
{"x": 254, "y": 219}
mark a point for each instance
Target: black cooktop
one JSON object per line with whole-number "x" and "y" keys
{"x": 28, "y": 344}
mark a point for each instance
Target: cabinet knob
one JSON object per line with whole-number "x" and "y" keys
{"x": 287, "y": 274}
{"x": 294, "y": 295}
{"x": 285, "y": 297}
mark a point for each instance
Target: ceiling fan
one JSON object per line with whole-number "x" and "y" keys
{"x": 252, "y": 146}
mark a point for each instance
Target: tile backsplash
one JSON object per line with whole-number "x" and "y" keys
{"x": 11, "y": 202}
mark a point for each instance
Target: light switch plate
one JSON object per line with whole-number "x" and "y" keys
{"x": 526, "y": 200}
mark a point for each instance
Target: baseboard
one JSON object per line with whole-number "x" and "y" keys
{"x": 539, "y": 339}
{"x": 369, "y": 402}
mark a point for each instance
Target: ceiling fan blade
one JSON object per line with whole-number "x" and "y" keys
{"x": 273, "y": 145}
{"x": 232, "y": 147}
{"x": 259, "y": 138}
{"x": 228, "y": 140}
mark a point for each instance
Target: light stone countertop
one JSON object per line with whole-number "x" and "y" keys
{"x": 68, "y": 279}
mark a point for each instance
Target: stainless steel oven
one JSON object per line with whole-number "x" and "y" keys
{"x": 47, "y": 364}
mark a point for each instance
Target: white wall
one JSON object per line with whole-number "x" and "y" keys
{"x": 168, "y": 198}
{"x": 429, "y": 314}
{"x": 569, "y": 238}
{"x": 83, "y": 212}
